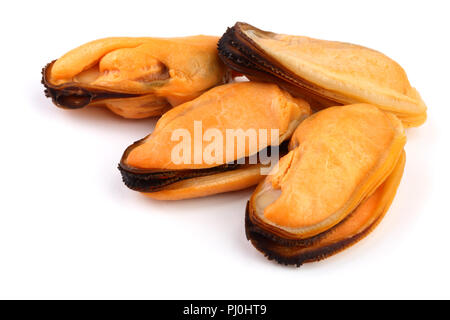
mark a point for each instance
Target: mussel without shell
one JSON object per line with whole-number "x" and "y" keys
{"x": 337, "y": 180}
{"x": 147, "y": 166}
{"x": 135, "y": 77}
{"x": 325, "y": 73}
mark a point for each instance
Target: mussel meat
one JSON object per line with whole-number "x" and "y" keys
{"x": 148, "y": 165}
{"x": 325, "y": 73}
{"x": 332, "y": 188}
{"x": 135, "y": 77}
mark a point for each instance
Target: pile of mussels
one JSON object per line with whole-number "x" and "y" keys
{"x": 340, "y": 110}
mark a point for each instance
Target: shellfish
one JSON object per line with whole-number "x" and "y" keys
{"x": 325, "y": 73}
{"x": 135, "y": 77}
{"x": 332, "y": 188}
{"x": 249, "y": 108}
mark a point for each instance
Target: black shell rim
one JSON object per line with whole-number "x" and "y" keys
{"x": 253, "y": 228}
{"x": 265, "y": 242}
{"x": 242, "y": 55}
{"x": 152, "y": 180}
{"x": 75, "y": 96}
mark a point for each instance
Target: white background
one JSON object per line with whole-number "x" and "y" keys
{"x": 69, "y": 228}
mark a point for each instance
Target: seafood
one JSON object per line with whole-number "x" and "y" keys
{"x": 339, "y": 169}
{"x": 325, "y": 73}
{"x": 148, "y": 165}
{"x": 332, "y": 188}
{"x": 135, "y": 77}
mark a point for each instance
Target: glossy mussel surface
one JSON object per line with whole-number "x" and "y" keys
{"x": 148, "y": 165}
{"x": 135, "y": 77}
{"x": 332, "y": 188}
{"x": 325, "y": 73}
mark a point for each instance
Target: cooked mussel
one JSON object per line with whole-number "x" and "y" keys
{"x": 256, "y": 110}
{"x": 332, "y": 188}
{"x": 325, "y": 73}
{"x": 135, "y": 77}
